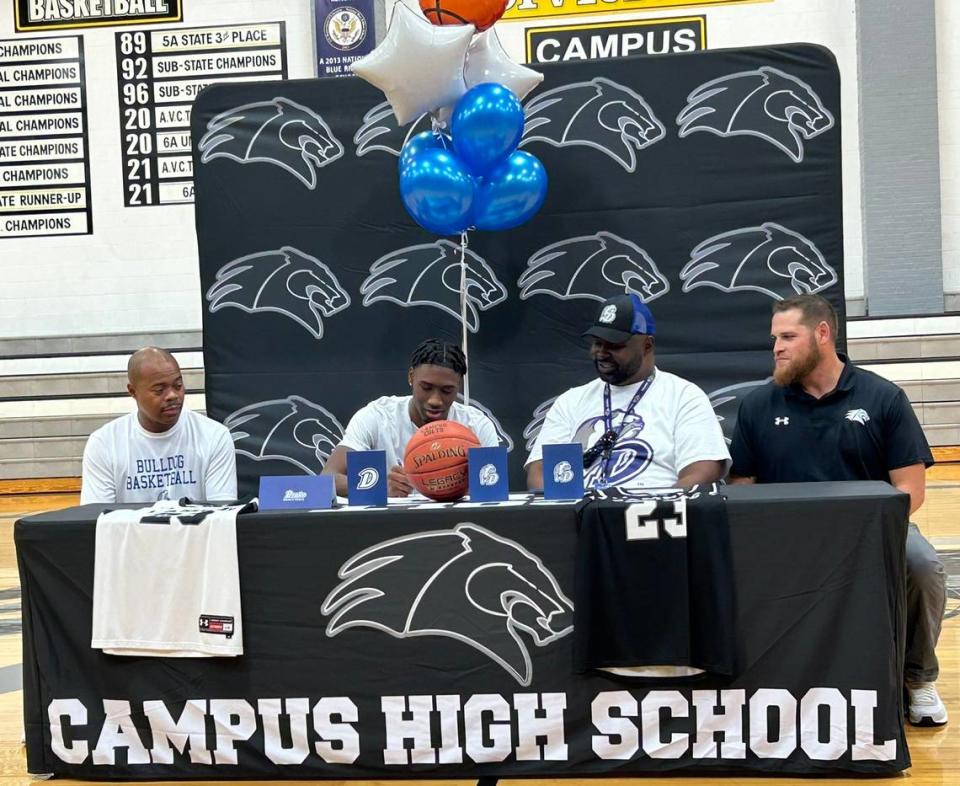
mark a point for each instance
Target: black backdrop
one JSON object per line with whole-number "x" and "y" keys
{"x": 708, "y": 183}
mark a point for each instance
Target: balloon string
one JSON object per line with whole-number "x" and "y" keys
{"x": 463, "y": 315}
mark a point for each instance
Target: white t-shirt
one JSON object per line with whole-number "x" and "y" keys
{"x": 167, "y": 586}
{"x": 671, "y": 427}
{"x": 384, "y": 424}
{"x": 123, "y": 462}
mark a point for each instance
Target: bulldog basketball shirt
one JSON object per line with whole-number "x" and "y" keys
{"x": 166, "y": 582}
{"x": 653, "y": 589}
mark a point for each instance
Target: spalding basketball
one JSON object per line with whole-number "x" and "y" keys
{"x": 435, "y": 460}
{"x": 479, "y": 13}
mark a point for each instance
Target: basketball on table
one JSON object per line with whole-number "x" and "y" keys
{"x": 435, "y": 460}
{"x": 479, "y": 13}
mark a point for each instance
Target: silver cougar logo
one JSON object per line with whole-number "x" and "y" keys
{"x": 286, "y": 281}
{"x": 381, "y": 131}
{"x": 279, "y": 132}
{"x": 291, "y": 429}
{"x": 766, "y": 103}
{"x": 466, "y": 584}
{"x": 592, "y": 266}
{"x": 726, "y": 403}
{"x": 769, "y": 259}
{"x": 429, "y": 275}
{"x": 601, "y": 114}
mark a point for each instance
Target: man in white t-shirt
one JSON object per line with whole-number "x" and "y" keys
{"x": 387, "y": 423}
{"x": 640, "y": 427}
{"x": 161, "y": 451}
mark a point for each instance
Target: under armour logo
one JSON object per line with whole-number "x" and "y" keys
{"x": 858, "y": 416}
{"x": 781, "y": 421}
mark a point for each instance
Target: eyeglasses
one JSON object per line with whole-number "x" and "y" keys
{"x": 601, "y": 447}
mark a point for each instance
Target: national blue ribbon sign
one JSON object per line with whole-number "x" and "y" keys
{"x": 345, "y": 32}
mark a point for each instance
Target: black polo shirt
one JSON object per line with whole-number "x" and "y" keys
{"x": 861, "y": 430}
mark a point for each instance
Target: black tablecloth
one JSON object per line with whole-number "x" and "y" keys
{"x": 340, "y": 685}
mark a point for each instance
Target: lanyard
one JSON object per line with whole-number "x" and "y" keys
{"x": 611, "y": 436}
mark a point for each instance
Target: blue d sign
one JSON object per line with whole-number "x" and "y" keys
{"x": 367, "y": 477}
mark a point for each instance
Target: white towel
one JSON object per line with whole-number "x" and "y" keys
{"x": 166, "y": 582}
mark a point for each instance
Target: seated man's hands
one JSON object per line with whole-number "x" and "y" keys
{"x": 398, "y": 485}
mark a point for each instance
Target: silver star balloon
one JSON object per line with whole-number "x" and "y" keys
{"x": 418, "y": 66}
{"x": 487, "y": 61}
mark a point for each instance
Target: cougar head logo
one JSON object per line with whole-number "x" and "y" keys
{"x": 726, "y": 403}
{"x": 290, "y": 429}
{"x": 765, "y": 103}
{"x": 532, "y": 430}
{"x": 466, "y": 584}
{"x": 286, "y": 281}
{"x": 505, "y": 439}
{"x": 279, "y": 132}
{"x": 429, "y": 275}
{"x": 600, "y": 114}
{"x": 592, "y": 266}
{"x": 381, "y": 131}
{"x": 769, "y": 259}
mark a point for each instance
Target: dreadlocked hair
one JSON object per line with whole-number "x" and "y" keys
{"x": 434, "y": 352}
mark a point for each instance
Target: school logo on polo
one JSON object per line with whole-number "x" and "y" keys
{"x": 858, "y": 416}
{"x": 280, "y": 132}
{"x": 466, "y": 584}
{"x": 766, "y": 103}
{"x": 600, "y": 114}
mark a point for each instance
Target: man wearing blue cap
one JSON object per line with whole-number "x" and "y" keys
{"x": 640, "y": 427}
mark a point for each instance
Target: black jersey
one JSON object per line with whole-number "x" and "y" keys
{"x": 654, "y": 584}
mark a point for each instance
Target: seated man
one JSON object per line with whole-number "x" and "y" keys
{"x": 161, "y": 451}
{"x": 642, "y": 427}
{"x": 387, "y": 423}
{"x": 824, "y": 419}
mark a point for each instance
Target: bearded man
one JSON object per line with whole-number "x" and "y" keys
{"x": 823, "y": 419}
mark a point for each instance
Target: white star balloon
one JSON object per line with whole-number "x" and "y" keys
{"x": 487, "y": 61}
{"x": 418, "y": 66}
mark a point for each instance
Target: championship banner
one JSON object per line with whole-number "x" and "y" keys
{"x": 603, "y": 40}
{"x": 345, "y": 32}
{"x": 437, "y": 641}
{"x": 60, "y": 14}
{"x": 706, "y": 183}
{"x": 541, "y": 9}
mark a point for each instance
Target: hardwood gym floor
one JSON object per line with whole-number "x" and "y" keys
{"x": 935, "y": 752}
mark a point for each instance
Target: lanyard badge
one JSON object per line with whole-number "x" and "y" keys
{"x": 603, "y": 447}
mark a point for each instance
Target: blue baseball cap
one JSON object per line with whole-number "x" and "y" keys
{"x": 621, "y": 317}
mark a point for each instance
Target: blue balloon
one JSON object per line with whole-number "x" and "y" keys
{"x": 511, "y": 194}
{"x": 425, "y": 140}
{"x": 438, "y": 192}
{"x": 487, "y": 124}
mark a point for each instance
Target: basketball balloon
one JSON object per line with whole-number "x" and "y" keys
{"x": 435, "y": 460}
{"x": 479, "y": 13}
